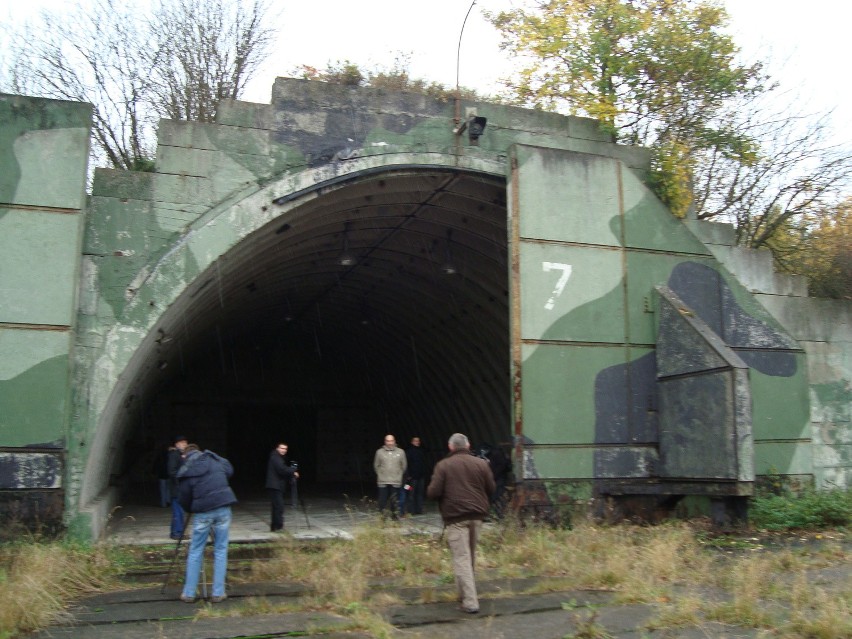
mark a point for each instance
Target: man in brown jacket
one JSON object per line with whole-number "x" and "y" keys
{"x": 462, "y": 484}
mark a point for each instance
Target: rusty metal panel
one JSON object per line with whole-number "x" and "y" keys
{"x": 30, "y": 470}
{"x": 705, "y": 399}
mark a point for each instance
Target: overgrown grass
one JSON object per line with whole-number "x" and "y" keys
{"x": 671, "y": 566}
{"x": 809, "y": 509}
{"x": 340, "y": 571}
{"x": 640, "y": 564}
{"x": 38, "y": 579}
{"x": 689, "y": 577}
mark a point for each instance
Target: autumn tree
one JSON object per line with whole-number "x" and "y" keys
{"x": 818, "y": 246}
{"x": 135, "y": 64}
{"x": 796, "y": 174}
{"x": 665, "y": 74}
{"x": 653, "y": 72}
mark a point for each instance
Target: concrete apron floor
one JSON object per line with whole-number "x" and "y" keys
{"x": 320, "y": 517}
{"x": 507, "y": 610}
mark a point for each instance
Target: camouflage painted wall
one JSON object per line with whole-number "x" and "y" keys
{"x": 43, "y": 157}
{"x": 148, "y": 236}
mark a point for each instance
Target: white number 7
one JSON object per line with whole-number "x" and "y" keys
{"x": 560, "y": 284}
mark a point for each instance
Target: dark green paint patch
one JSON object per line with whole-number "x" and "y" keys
{"x": 34, "y": 404}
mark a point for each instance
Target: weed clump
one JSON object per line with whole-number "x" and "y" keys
{"x": 37, "y": 580}
{"x": 808, "y": 509}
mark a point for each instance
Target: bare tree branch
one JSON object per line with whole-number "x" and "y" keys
{"x": 177, "y": 61}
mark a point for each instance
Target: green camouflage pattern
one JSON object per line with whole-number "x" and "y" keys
{"x": 599, "y": 272}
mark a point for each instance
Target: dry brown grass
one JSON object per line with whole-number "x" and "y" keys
{"x": 340, "y": 571}
{"x": 668, "y": 566}
{"x": 640, "y": 564}
{"x": 37, "y": 580}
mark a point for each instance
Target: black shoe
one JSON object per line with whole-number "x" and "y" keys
{"x": 176, "y": 537}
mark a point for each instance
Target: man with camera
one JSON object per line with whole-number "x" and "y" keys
{"x": 279, "y": 474}
{"x": 203, "y": 490}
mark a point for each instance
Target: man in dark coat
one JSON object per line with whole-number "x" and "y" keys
{"x": 173, "y": 464}
{"x": 204, "y": 492}
{"x": 415, "y": 476}
{"x": 278, "y": 477}
{"x": 462, "y": 483}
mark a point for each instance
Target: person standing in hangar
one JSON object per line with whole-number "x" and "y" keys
{"x": 279, "y": 474}
{"x": 389, "y": 463}
{"x": 174, "y": 462}
{"x": 415, "y": 476}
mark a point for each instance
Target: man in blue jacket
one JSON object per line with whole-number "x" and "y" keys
{"x": 204, "y": 492}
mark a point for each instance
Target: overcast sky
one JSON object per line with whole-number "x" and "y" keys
{"x": 806, "y": 42}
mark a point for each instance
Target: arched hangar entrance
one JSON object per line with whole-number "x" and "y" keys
{"x": 369, "y": 303}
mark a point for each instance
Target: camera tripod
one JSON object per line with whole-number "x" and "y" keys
{"x": 295, "y": 500}
{"x": 177, "y": 551}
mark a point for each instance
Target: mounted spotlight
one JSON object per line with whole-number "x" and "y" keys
{"x": 346, "y": 257}
{"x": 475, "y": 128}
{"x": 474, "y": 125}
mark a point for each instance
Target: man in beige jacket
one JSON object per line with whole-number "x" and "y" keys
{"x": 390, "y": 464}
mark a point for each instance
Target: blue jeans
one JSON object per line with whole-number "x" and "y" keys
{"x": 219, "y": 519}
{"x": 165, "y": 497}
{"x": 178, "y": 519}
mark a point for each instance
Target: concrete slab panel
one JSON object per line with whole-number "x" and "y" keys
{"x": 33, "y": 387}
{"x": 44, "y": 151}
{"x": 571, "y": 293}
{"x": 559, "y": 391}
{"x": 570, "y": 197}
{"x": 38, "y": 279}
{"x": 648, "y": 224}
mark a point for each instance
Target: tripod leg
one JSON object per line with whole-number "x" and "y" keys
{"x": 203, "y": 578}
{"x": 204, "y": 567}
{"x": 305, "y": 511}
{"x": 177, "y": 550}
